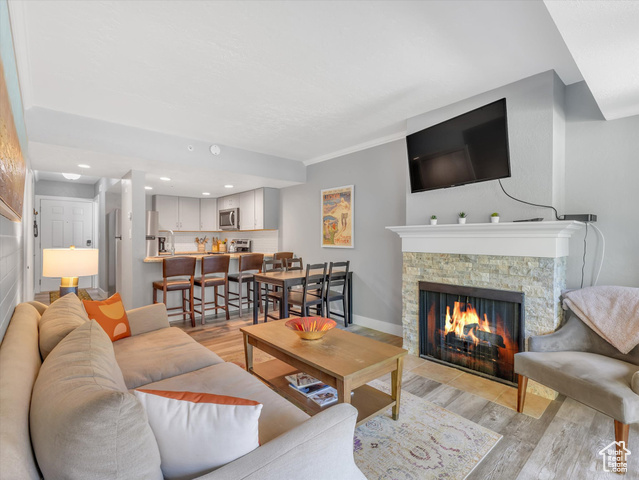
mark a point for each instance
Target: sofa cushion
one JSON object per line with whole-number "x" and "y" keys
{"x": 160, "y": 354}
{"x": 199, "y": 432}
{"x": 111, "y": 316}
{"x": 602, "y": 383}
{"x": 278, "y": 415}
{"x": 84, "y": 424}
{"x": 61, "y": 318}
{"x": 19, "y": 365}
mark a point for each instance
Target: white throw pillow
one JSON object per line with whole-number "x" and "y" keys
{"x": 199, "y": 432}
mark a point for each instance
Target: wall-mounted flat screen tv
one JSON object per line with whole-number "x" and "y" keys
{"x": 470, "y": 148}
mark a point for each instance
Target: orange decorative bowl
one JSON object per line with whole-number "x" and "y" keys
{"x": 311, "y": 328}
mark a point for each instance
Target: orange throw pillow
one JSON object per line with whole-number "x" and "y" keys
{"x": 111, "y": 316}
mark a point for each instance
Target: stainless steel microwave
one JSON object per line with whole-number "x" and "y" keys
{"x": 230, "y": 219}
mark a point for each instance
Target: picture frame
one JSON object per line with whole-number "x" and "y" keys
{"x": 337, "y": 217}
{"x": 12, "y": 166}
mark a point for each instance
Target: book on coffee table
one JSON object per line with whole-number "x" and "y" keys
{"x": 302, "y": 379}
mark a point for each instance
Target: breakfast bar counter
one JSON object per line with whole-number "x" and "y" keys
{"x": 199, "y": 255}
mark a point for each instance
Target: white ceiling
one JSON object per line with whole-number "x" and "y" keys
{"x": 304, "y": 81}
{"x": 603, "y": 37}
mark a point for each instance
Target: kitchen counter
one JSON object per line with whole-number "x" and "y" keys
{"x": 199, "y": 255}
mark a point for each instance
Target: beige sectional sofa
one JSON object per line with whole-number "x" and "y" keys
{"x": 73, "y": 415}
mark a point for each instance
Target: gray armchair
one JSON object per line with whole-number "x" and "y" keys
{"x": 578, "y": 363}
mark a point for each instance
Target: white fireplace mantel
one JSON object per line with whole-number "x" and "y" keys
{"x": 519, "y": 239}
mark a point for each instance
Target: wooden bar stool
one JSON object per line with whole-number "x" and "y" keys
{"x": 177, "y": 267}
{"x": 335, "y": 290}
{"x": 211, "y": 265}
{"x": 248, "y": 264}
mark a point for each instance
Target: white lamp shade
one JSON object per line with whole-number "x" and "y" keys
{"x": 69, "y": 262}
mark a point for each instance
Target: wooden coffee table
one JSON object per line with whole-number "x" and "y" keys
{"x": 341, "y": 359}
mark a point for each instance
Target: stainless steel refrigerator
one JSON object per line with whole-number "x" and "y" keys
{"x": 114, "y": 241}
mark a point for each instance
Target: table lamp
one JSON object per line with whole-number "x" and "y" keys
{"x": 69, "y": 263}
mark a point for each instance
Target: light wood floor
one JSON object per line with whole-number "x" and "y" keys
{"x": 561, "y": 445}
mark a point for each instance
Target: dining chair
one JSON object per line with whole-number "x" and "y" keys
{"x": 248, "y": 264}
{"x": 271, "y": 293}
{"x": 177, "y": 267}
{"x": 293, "y": 264}
{"x": 282, "y": 256}
{"x": 335, "y": 290}
{"x": 312, "y": 292}
{"x": 211, "y": 268}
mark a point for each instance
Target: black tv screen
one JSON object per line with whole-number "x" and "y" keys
{"x": 470, "y": 148}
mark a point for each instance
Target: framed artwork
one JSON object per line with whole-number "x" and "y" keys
{"x": 337, "y": 217}
{"x": 12, "y": 167}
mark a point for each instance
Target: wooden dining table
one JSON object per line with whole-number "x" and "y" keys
{"x": 286, "y": 280}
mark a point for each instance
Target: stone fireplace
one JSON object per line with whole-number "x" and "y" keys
{"x": 529, "y": 258}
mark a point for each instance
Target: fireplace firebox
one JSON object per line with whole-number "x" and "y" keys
{"x": 475, "y": 329}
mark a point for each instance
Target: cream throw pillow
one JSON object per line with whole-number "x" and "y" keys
{"x": 84, "y": 423}
{"x": 58, "y": 320}
{"x": 199, "y": 432}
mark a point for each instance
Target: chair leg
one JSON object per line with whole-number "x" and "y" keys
{"x": 226, "y": 300}
{"x": 155, "y": 295}
{"x": 192, "y": 304}
{"x": 203, "y": 302}
{"x": 521, "y": 392}
{"x": 622, "y": 431}
{"x": 346, "y": 319}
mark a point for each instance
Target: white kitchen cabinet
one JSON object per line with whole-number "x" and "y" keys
{"x": 189, "y": 213}
{"x": 247, "y": 210}
{"x": 230, "y": 201}
{"x": 177, "y": 213}
{"x": 208, "y": 214}
{"x": 167, "y": 207}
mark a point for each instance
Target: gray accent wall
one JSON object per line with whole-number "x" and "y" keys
{"x": 536, "y": 140}
{"x": 602, "y": 171}
{"x": 378, "y": 175}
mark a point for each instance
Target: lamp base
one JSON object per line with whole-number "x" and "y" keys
{"x": 68, "y": 285}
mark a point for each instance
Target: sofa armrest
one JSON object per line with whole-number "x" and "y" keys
{"x": 320, "y": 448}
{"x": 574, "y": 336}
{"x": 147, "y": 318}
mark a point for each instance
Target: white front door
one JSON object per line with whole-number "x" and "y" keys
{"x": 64, "y": 223}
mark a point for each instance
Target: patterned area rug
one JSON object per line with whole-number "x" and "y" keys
{"x": 427, "y": 442}
{"x": 82, "y": 294}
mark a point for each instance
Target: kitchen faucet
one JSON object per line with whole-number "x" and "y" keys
{"x": 172, "y": 242}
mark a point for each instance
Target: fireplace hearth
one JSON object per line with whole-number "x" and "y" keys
{"x": 474, "y": 329}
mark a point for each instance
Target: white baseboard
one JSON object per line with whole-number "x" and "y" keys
{"x": 378, "y": 325}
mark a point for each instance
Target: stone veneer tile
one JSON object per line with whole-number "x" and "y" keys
{"x": 540, "y": 279}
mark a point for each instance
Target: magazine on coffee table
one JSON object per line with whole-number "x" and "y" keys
{"x": 311, "y": 389}
{"x": 302, "y": 379}
{"x": 325, "y": 397}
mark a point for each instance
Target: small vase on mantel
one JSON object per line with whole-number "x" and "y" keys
{"x": 433, "y": 220}
{"x": 494, "y": 218}
{"x": 461, "y": 218}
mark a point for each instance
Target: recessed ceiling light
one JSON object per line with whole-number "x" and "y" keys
{"x": 228, "y": 186}
{"x": 71, "y": 176}
{"x": 215, "y": 150}
{"x": 148, "y": 188}
{"x": 166, "y": 179}
{"x": 82, "y": 165}
{"x": 206, "y": 193}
